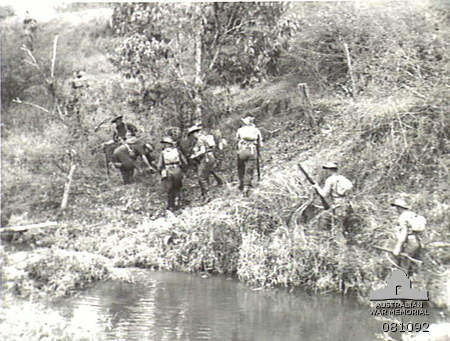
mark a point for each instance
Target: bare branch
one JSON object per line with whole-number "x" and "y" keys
{"x": 213, "y": 61}
{"x": 18, "y": 100}
{"x": 31, "y": 55}
{"x": 29, "y": 227}
{"x": 32, "y": 64}
{"x": 414, "y": 91}
{"x": 60, "y": 115}
{"x": 55, "y": 42}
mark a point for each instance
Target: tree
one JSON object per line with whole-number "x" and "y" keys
{"x": 180, "y": 48}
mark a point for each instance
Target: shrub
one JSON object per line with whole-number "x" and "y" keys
{"x": 60, "y": 273}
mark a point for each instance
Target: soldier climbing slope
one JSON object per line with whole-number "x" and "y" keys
{"x": 203, "y": 151}
{"x": 29, "y": 30}
{"x": 409, "y": 226}
{"x": 122, "y": 130}
{"x": 169, "y": 164}
{"x": 217, "y": 143}
{"x": 336, "y": 190}
{"x": 142, "y": 149}
{"x": 249, "y": 141}
{"x": 125, "y": 156}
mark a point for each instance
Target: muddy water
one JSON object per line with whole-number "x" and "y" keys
{"x": 174, "y": 306}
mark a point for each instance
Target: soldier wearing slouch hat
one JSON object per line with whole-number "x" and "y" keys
{"x": 249, "y": 141}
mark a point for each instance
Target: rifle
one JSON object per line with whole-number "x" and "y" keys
{"x": 97, "y": 127}
{"x": 107, "y": 153}
{"x": 258, "y": 170}
{"x": 325, "y": 204}
{"x": 401, "y": 254}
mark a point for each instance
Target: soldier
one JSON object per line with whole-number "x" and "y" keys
{"x": 29, "y": 30}
{"x": 409, "y": 226}
{"x": 122, "y": 130}
{"x": 124, "y": 157}
{"x": 169, "y": 164}
{"x": 249, "y": 141}
{"x": 79, "y": 80}
{"x": 142, "y": 149}
{"x": 77, "y": 85}
{"x": 336, "y": 191}
{"x": 217, "y": 144}
{"x": 203, "y": 151}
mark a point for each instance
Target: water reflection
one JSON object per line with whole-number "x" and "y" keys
{"x": 174, "y": 306}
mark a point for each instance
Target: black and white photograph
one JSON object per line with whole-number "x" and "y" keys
{"x": 226, "y": 171}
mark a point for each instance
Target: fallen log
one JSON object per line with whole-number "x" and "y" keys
{"x": 438, "y": 244}
{"x": 21, "y": 228}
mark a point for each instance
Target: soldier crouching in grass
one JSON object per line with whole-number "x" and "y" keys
{"x": 169, "y": 164}
{"x": 336, "y": 190}
{"x": 124, "y": 158}
{"x": 409, "y": 226}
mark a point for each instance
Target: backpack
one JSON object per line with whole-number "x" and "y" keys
{"x": 171, "y": 155}
{"x": 418, "y": 223}
{"x": 343, "y": 185}
{"x": 210, "y": 141}
{"x": 249, "y": 133}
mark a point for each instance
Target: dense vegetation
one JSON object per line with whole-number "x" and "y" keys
{"x": 388, "y": 128}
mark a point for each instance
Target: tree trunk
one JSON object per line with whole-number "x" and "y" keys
{"x": 198, "y": 82}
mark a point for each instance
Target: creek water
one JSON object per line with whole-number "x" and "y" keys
{"x": 176, "y": 306}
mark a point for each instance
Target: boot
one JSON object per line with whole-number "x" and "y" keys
{"x": 246, "y": 191}
{"x": 218, "y": 179}
{"x": 203, "y": 191}
{"x": 205, "y": 199}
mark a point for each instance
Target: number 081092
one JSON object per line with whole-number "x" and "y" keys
{"x": 406, "y": 327}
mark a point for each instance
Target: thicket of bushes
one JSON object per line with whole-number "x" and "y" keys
{"x": 391, "y": 45}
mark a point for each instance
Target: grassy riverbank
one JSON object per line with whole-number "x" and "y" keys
{"x": 390, "y": 141}
{"x": 251, "y": 238}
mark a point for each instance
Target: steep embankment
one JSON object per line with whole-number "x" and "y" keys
{"x": 252, "y": 238}
{"x": 389, "y": 146}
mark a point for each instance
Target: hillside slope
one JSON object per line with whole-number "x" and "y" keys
{"x": 390, "y": 146}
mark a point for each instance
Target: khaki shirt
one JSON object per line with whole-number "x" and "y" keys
{"x": 331, "y": 187}
{"x": 249, "y": 134}
{"x": 404, "y": 230}
{"x": 405, "y": 222}
{"x": 201, "y": 146}
{"x": 123, "y": 130}
{"x": 162, "y": 163}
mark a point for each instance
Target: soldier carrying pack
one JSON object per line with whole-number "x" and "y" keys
{"x": 170, "y": 162}
{"x": 249, "y": 141}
